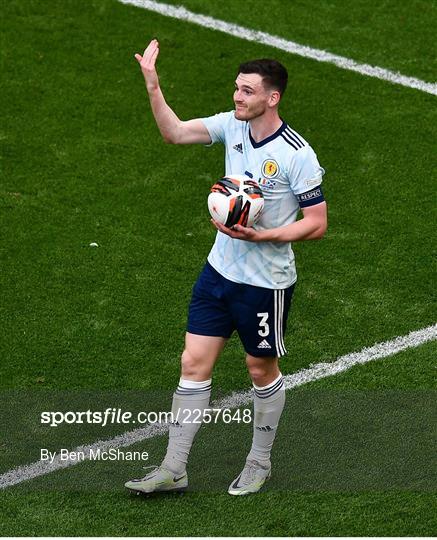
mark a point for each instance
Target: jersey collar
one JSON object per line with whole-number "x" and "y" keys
{"x": 269, "y": 138}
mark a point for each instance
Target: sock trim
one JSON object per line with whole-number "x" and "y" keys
{"x": 261, "y": 388}
{"x": 185, "y": 383}
{"x": 190, "y": 388}
{"x": 267, "y": 391}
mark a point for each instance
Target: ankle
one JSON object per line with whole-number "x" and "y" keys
{"x": 172, "y": 466}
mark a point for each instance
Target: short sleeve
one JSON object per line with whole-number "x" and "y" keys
{"x": 305, "y": 171}
{"x": 216, "y": 125}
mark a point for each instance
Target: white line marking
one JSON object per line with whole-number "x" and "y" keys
{"x": 236, "y": 399}
{"x": 179, "y": 12}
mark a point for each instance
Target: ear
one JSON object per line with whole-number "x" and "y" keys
{"x": 275, "y": 96}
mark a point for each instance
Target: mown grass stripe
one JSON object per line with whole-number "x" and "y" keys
{"x": 236, "y": 399}
{"x": 181, "y": 13}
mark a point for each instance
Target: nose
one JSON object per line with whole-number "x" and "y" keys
{"x": 237, "y": 97}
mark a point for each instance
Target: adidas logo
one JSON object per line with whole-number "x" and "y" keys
{"x": 264, "y": 428}
{"x": 264, "y": 345}
{"x": 238, "y": 148}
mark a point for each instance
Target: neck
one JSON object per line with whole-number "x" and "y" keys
{"x": 264, "y": 126}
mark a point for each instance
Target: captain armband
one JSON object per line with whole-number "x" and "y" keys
{"x": 311, "y": 197}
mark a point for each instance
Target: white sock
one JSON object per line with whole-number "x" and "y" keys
{"x": 268, "y": 404}
{"x": 190, "y": 398}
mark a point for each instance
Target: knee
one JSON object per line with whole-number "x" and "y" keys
{"x": 262, "y": 371}
{"x": 192, "y": 368}
{"x": 258, "y": 374}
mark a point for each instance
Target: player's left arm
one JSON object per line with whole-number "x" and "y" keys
{"x": 312, "y": 226}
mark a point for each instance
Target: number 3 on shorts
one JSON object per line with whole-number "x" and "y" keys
{"x": 264, "y": 329}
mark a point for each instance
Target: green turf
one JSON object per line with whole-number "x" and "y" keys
{"x": 89, "y": 498}
{"x": 75, "y": 316}
{"x": 395, "y": 35}
{"x": 82, "y": 162}
{"x": 373, "y": 514}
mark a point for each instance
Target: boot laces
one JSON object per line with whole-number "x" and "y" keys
{"x": 155, "y": 468}
{"x": 249, "y": 472}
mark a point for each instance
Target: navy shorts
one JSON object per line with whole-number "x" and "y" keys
{"x": 219, "y": 306}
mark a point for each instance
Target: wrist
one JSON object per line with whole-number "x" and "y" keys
{"x": 152, "y": 82}
{"x": 264, "y": 235}
{"x": 152, "y": 88}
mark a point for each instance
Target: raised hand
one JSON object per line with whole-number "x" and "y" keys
{"x": 147, "y": 62}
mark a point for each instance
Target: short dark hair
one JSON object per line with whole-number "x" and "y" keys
{"x": 273, "y": 73}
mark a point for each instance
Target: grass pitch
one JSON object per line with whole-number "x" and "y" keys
{"x": 82, "y": 162}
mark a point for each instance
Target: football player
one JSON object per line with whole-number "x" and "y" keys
{"x": 247, "y": 282}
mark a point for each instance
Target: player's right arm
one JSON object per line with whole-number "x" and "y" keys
{"x": 173, "y": 130}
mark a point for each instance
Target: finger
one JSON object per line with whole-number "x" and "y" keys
{"x": 138, "y": 57}
{"x": 150, "y": 61}
{"x": 220, "y": 227}
{"x": 154, "y": 55}
{"x": 151, "y": 48}
{"x": 146, "y": 53}
{"x": 151, "y": 45}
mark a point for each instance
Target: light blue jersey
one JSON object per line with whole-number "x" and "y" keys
{"x": 285, "y": 166}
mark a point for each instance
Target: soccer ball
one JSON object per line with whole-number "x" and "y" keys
{"x": 236, "y": 199}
